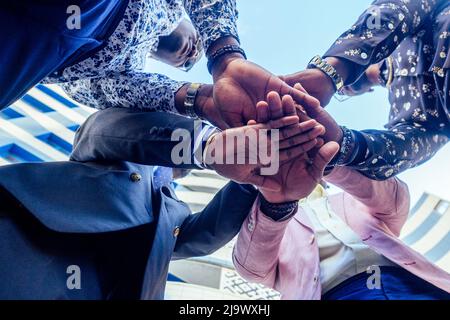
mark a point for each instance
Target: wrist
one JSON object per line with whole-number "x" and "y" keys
{"x": 219, "y": 64}
{"x": 342, "y": 67}
{"x": 204, "y": 101}
{"x": 195, "y": 97}
{"x": 373, "y": 75}
{"x": 278, "y": 211}
{"x": 180, "y": 97}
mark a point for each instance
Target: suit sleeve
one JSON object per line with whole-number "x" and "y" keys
{"x": 388, "y": 200}
{"x": 256, "y": 252}
{"x": 209, "y": 230}
{"x": 147, "y": 138}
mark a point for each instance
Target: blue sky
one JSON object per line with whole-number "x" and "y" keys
{"x": 284, "y": 35}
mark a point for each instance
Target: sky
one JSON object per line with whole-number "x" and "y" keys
{"x": 284, "y": 35}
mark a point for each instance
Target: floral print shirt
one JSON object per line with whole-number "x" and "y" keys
{"x": 415, "y": 34}
{"x": 114, "y": 77}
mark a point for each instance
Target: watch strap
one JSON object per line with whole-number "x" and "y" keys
{"x": 318, "y": 63}
{"x": 189, "y": 101}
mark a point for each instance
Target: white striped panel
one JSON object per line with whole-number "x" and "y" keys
{"x": 29, "y": 140}
{"x": 57, "y": 106}
{"x": 416, "y": 220}
{"x": 434, "y": 236}
{"x": 45, "y": 121}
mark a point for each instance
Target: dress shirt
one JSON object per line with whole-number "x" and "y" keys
{"x": 415, "y": 34}
{"x": 114, "y": 76}
{"x": 342, "y": 253}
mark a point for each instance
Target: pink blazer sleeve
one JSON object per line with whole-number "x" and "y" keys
{"x": 388, "y": 200}
{"x": 257, "y": 248}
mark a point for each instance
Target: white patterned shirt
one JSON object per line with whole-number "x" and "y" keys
{"x": 114, "y": 76}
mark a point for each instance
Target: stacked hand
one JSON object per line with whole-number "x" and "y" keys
{"x": 298, "y": 177}
{"x": 242, "y": 154}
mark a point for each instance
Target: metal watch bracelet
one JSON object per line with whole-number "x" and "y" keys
{"x": 189, "y": 101}
{"x": 318, "y": 63}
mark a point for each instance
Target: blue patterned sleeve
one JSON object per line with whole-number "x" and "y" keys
{"x": 213, "y": 19}
{"x": 146, "y": 91}
{"x": 381, "y": 29}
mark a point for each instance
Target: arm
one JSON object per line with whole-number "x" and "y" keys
{"x": 389, "y": 153}
{"x": 213, "y": 19}
{"x": 383, "y": 25}
{"x": 388, "y": 200}
{"x": 207, "y": 231}
{"x": 136, "y": 90}
{"x": 375, "y": 36}
{"x": 257, "y": 249}
{"x": 149, "y": 138}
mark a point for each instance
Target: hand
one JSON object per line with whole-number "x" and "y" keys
{"x": 239, "y": 85}
{"x": 238, "y": 154}
{"x": 298, "y": 177}
{"x": 317, "y": 83}
{"x": 316, "y": 112}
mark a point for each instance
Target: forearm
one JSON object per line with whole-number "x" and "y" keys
{"x": 388, "y": 153}
{"x": 383, "y": 27}
{"x": 213, "y": 19}
{"x": 135, "y": 90}
{"x": 148, "y": 138}
{"x": 388, "y": 200}
{"x": 258, "y": 245}
{"x": 207, "y": 231}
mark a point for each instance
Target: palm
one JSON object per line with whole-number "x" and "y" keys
{"x": 296, "y": 179}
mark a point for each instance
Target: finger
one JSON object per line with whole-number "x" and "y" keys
{"x": 262, "y": 112}
{"x": 323, "y": 158}
{"x": 297, "y": 151}
{"x": 299, "y": 86}
{"x": 303, "y": 116}
{"x": 275, "y": 105}
{"x": 252, "y": 123}
{"x": 288, "y": 106}
{"x": 284, "y": 122}
{"x": 302, "y": 128}
{"x": 301, "y": 138}
{"x": 309, "y": 103}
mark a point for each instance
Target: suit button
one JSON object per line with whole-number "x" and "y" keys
{"x": 176, "y": 232}
{"x": 135, "y": 177}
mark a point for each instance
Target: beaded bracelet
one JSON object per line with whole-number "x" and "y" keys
{"x": 223, "y": 51}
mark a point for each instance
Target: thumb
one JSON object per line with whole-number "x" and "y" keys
{"x": 323, "y": 157}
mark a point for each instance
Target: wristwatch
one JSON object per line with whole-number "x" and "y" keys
{"x": 318, "y": 63}
{"x": 189, "y": 101}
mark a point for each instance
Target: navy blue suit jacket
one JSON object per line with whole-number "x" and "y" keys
{"x": 76, "y": 199}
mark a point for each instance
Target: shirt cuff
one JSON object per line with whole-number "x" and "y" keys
{"x": 200, "y": 144}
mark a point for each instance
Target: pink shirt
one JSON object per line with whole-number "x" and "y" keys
{"x": 285, "y": 256}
